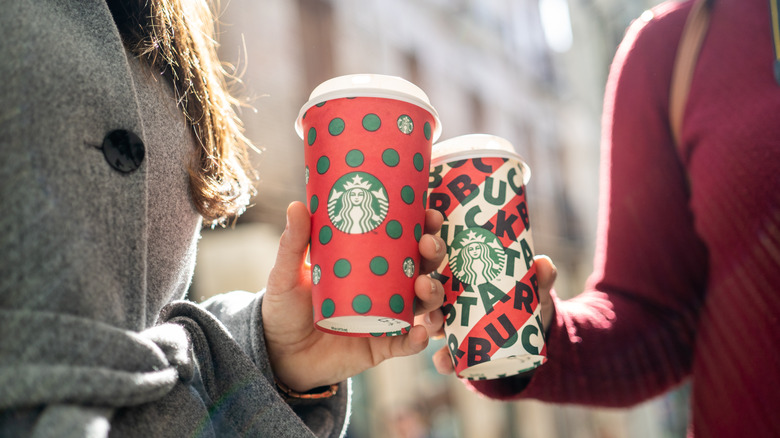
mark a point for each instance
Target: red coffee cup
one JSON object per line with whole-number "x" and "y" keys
{"x": 367, "y": 141}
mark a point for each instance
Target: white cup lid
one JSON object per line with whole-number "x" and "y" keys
{"x": 477, "y": 146}
{"x": 369, "y": 85}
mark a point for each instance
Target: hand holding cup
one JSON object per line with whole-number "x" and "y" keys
{"x": 303, "y": 357}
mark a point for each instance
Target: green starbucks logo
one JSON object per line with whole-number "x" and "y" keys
{"x": 405, "y": 124}
{"x": 409, "y": 267}
{"x": 357, "y": 203}
{"x": 476, "y": 256}
{"x": 316, "y": 274}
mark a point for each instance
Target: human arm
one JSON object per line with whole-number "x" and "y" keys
{"x": 630, "y": 335}
{"x": 268, "y": 321}
{"x": 256, "y": 321}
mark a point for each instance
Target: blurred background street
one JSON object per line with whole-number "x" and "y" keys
{"x": 531, "y": 71}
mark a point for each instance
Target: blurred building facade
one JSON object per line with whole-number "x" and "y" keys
{"x": 531, "y": 71}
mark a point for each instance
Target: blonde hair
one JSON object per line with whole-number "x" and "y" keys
{"x": 178, "y": 38}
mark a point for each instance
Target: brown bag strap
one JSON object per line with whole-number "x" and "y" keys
{"x": 687, "y": 53}
{"x": 774, "y": 13}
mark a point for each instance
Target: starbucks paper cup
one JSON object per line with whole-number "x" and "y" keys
{"x": 493, "y": 320}
{"x": 367, "y": 141}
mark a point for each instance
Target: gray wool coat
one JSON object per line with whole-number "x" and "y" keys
{"x": 97, "y": 252}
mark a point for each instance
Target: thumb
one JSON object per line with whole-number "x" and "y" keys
{"x": 546, "y": 273}
{"x": 289, "y": 269}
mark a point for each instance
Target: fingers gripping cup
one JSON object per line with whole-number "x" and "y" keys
{"x": 367, "y": 141}
{"x": 493, "y": 323}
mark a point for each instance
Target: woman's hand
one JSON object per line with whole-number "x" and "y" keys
{"x": 304, "y": 358}
{"x": 546, "y": 273}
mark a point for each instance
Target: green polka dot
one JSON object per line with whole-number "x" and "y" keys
{"x": 427, "y": 130}
{"x": 371, "y": 122}
{"x": 354, "y": 158}
{"x": 394, "y": 229}
{"x": 312, "y": 136}
{"x": 320, "y": 104}
{"x": 342, "y": 268}
{"x": 390, "y": 157}
{"x": 425, "y": 199}
{"x": 314, "y": 203}
{"x": 378, "y": 265}
{"x": 407, "y": 194}
{"x": 417, "y": 232}
{"x": 361, "y": 304}
{"x": 326, "y": 233}
{"x": 328, "y": 308}
{"x": 397, "y": 303}
{"x": 336, "y": 126}
{"x": 419, "y": 161}
{"x": 323, "y": 164}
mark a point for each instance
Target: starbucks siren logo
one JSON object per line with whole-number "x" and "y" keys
{"x": 357, "y": 203}
{"x": 409, "y": 267}
{"x": 476, "y": 256}
{"x": 316, "y": 274}
{"x": 405, "y": 124}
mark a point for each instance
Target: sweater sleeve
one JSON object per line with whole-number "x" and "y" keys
{"x": 629, "y": 335}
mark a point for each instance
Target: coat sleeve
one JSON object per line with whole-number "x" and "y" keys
{"x": 241, "y": 314}
{"x": 630, "y": 334}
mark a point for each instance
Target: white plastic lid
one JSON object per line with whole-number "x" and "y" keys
{"x": 369, "y": 85}
{"x": 477, "y": 146}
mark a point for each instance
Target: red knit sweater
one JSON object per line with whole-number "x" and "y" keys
{"x": 687, "y": 271}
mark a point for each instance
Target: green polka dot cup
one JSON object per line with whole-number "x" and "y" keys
{"x": 492, "y": 314}
{"x": 367, "y": 141}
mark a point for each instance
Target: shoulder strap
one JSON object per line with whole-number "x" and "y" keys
{"x": 687, "y": 53}
{"x": 774, "y": 12}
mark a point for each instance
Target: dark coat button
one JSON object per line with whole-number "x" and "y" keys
{"x": 123, "y": 150}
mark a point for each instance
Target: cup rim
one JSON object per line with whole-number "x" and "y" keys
{"x": 369, "y": 85}
{"x": 477, "y": 146}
